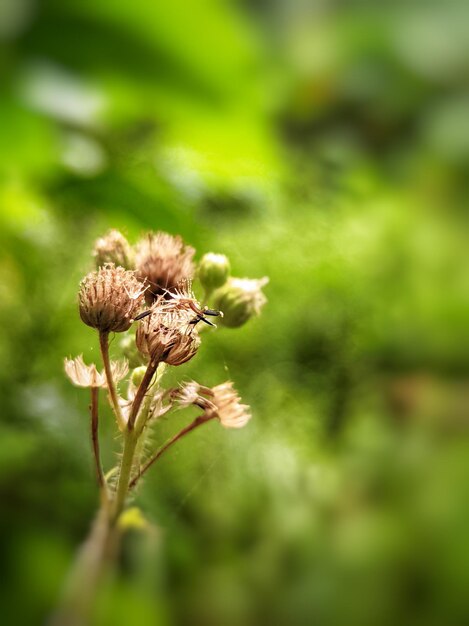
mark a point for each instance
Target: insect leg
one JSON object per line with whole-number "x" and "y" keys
{"x": 212, "y": 312}
{"x": 140, "y": 316}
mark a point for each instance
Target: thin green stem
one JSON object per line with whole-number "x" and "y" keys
{"x": 104, "y": 345}
{"x": 131, "y": 440}
{"x": 202, "y": 419}
{"x": 130, "y": 443}
{"x": 207, "y": 295}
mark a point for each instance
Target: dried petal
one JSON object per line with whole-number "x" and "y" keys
{"x": 221, "y": 402}
{"x": 84, "y": 375}
{"x": 230, "y": 411}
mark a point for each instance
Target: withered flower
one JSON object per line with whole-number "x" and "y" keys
{"x": 110, "y": 298}
{"x": 230, "y": 411}
{"x": 113, "y": 248}
{"x": 163, "y": 261}
{"x": 221, "y": 402}
{"x": 84, "y": 375}
{"x": 189, "y": 393}
{"x": 168, "y": 335}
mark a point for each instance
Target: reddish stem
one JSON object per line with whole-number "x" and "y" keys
{"x": 202, "y": 419}
{"x": 141, "y": 391}
{"x": 95, "y": 436}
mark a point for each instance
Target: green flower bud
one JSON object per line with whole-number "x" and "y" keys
{"x": 214, "y": 270}
{"x": 130, "y": 351}
{"x": 239, "y": 300}
{"x": 137, "y": 375}
{"x": 136, "y": 378}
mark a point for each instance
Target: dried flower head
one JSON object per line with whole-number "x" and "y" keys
{"x": 110, "y": 298}
{"x": 230, "y": 411}
{"x": 167, "y": 334}
{"x": 84, "y": 375}
{"x": 114, "y": 248}
{"x": 240, "y": 299}
{"x": 189, "y": 393}
{"x": 221, "y": 402}
{"x": 163, "y": 261}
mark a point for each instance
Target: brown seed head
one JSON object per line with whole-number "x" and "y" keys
{"x": 84, "y": 375}
{"x": 113, "y": 248}
{"x": 163, "y": 260}
{"x": 166, "y": 335}
{"x": 110, "y": 298}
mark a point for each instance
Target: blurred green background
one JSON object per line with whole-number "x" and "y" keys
{"x": 324, "y": 144}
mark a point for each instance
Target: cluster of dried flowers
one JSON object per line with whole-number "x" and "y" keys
{"x": 148, "y": 289}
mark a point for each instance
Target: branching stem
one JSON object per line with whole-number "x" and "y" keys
{"x": 130, "y": 443}
{"x": 202, "y": 419}
{"x": 141, "y": 391}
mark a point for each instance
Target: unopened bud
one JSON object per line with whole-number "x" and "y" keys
{"x": 239, "y": 300}
{"x": 114, "y": 248}
{"x": 213, "y": 271}
{"x": 130, "y": 351}
{"x": 137, "y": 375}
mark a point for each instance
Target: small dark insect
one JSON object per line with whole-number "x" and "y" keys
{"x": 200, "y": 317}
{"x": 140, "y": 316}
{"x": 200, "y": 314}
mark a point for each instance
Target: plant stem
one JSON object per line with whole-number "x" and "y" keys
{"x": 95, "y": 438}
{"x": 202, "y": 419}
{"x": 104, "y": 345}
{"x": 141, "y": 391}
{"x": 131, "y": 439}
{"x": 130, "y": 443}
{"x": 207, "y": 295}
{"x": 100, "y": 548}
{"x": 93, "y": 561}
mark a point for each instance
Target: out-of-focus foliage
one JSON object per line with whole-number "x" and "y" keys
{"x": 323, "y": 144}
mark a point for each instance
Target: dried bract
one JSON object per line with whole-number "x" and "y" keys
{"x": 114, "y": 248}
{"x": 163, "y": 261}
{"x": 84, "y": 375}
{"x": 110, "y": 298}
